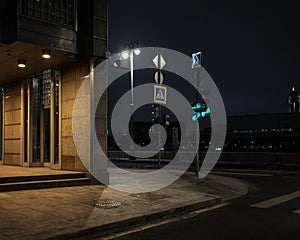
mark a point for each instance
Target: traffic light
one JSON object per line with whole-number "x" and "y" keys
{"x": 165, "y": 120}
{"x": 155, "y": 113}
{"x": 200, "y": 109}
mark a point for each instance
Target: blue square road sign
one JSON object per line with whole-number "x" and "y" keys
{"x": 197, "y": 59}
{"x": 160, "y": 94}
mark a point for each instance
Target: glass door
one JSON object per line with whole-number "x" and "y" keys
{"x": 55, "y": 113}
{"x": 35, "y": 121}
{"x": 46, "y": 136}
{"x": 43, "y": 119}
{"x": 46, "y": 117}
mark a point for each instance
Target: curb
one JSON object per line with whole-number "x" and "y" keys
{"x": 111, "y": 228}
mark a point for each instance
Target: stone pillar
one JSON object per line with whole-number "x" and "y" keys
{"x": 83, "y": 127}
{"x": 12, "y": 124}
{"x": 72, "y": 77}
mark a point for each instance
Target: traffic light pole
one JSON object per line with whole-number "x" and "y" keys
{"x": 197, "y": 61}
{"x": 159, "y": 119}
{"x": 197, "y": 160}
{"x": 159, "y": 62}
{"x": 159, "y": 141}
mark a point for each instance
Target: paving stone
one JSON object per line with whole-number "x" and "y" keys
{"x": 44, "y": 213}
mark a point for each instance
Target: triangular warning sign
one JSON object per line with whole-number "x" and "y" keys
{"x": 160, "y": 95}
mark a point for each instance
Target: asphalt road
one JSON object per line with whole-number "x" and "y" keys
{"x": 275, "y": 213}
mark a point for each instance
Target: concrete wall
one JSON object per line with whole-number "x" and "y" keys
{"x": 72, "y": 77}
{"x": 12, "y": 124}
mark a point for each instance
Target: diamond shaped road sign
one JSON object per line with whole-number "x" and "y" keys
{"x": 159, "y": 61}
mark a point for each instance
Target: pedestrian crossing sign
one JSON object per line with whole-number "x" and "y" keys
{"x": 160, "y": 94}
{"x": 197, "y": 59}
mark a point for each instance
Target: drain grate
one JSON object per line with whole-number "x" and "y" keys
{"x": 151, "y": 196}
{"x": 107, "y": 204}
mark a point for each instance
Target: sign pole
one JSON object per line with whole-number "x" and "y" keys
{"x": 160, "y": 95}
{"x": 197, "y": 62}
{"x": 197, "y": 132}
{"x": 159, "y": 117}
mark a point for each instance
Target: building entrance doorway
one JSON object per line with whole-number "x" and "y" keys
{"x": 41, "y": 112}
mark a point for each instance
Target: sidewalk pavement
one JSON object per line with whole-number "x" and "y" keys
{"x": 78, "y": 212}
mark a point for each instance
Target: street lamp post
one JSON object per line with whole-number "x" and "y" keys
{"x": 133, "y": 50}
{"x": 131, "y": 106}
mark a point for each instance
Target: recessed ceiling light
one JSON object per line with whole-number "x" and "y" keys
{"x": 21, "y": 63}
{"x": 46, "y": 54}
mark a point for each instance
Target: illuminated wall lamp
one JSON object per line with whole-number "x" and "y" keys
{"x": 21, "y": 63}
{"x": 46, "y": 54}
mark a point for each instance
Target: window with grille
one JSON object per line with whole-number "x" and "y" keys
{"x": 59, "y": 12}
{"x": 46, "y": 87}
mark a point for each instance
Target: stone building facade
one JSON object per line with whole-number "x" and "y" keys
{"x": 37, "y": 98}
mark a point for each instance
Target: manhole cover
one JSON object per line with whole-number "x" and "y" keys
{"x": 151, "y": 196}
{"x": 107, "y": 204}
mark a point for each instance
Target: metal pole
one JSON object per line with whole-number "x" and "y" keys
{"x": 197, "y": 132}
{"x": 159, "y": 115}
{"x": 92, "y": 120}
{"x": 131, "y": 106}
{"x": 159, "y": 139}
{"x": 131, "y": 76}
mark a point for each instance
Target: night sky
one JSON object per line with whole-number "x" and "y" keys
{"x": 251, "y": 52}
